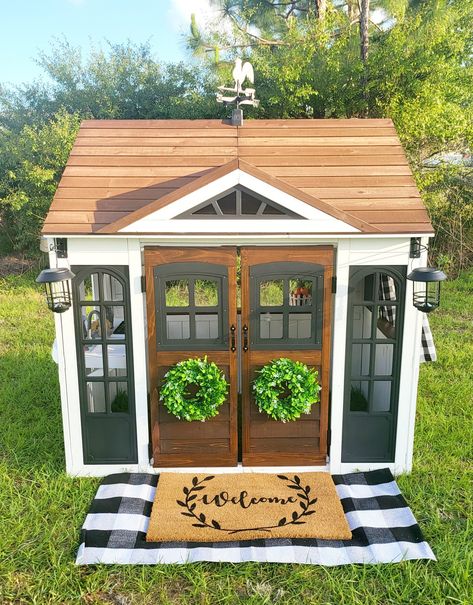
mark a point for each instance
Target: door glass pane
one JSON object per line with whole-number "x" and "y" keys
{"x": 91, "y": 322}
{"x": 96, "y": 397}
{"x": 93, "y": 360}
{"x": 118, "y": 395}
{"x": 177, "y": 327}
{"x": 360, "y": 359}
{"x": 206, "y": 325}
{"x": 177, "y": 293}
{"x": 112, "y": 288}
{"x": 359, "y": 396}
{"x": 383, "y": 363}
{"x": 386, "y": 324}
{"x": 116, "y": 357}
{"x": 362, "y": 317}
{"x": 381, "y": 396}
{"x": 271, "y": 293}
{"x": 115, "y": 316}
{"x": 205, "y": 293}
{"x": 227, "y": 204}
{"x": 300, "y": 292}
{"x": 387, "y": 288}
{"x": 89, "y": 288}
{"x": 271, "y": 325}
{"x": 300, "y": 325}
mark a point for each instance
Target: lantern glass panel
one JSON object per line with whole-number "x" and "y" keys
{"x": 58, "y": 295}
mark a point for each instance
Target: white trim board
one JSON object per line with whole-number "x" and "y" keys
{"x": 160, "y": 221}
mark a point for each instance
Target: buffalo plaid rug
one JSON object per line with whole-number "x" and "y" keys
{"x": 384, "y": 529}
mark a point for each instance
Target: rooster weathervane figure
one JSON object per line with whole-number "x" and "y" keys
{"x": 239, "y": 95}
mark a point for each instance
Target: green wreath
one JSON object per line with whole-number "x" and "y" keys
{"x": 293, "y": 379}
{"x": 211, "y": 389}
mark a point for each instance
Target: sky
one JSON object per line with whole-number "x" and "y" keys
{"x": 30, "y": 26}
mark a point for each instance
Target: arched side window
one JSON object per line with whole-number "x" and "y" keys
{"x": 373, "y": 361}
{"x": 103, "y": 336}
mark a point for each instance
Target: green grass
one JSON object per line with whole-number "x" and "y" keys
{"x": 41, "y": 509}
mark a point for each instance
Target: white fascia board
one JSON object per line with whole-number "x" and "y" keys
{"x": 160, "y": 221}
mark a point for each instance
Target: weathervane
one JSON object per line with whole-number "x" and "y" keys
{"x": 240, "y": 95}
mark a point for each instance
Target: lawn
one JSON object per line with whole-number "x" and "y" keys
{"x": 41, "y": 509}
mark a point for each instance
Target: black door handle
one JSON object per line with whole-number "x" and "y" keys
{"x": 232, "y": 332}
{"x": 245, "y": 338}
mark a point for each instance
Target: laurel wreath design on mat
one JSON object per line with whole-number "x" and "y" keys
{"x": 305, "y": 501}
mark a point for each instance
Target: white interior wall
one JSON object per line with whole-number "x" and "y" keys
{"x": 128, "y": 251}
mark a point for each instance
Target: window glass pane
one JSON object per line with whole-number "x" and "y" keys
{"x": 386, "y": 324}
{"x": 96, "y": 397}
{"x": 112, "y": 288}
{"x": 383, "y": 364}
{"x": 362, "y": 316}
{"x": 177, "y": 293}
{"x": 206, "y": 325}
{"x": 115, "y": 317}
{"x": 93, "y": 360}
{"x": 177, "y": 327}
{"x": 227, "y": 204}
{"x": 116, "y": 357}
{"x": 272, "y": 210}
{"x": 209, "y": 209}
{"x": 381, "y": 396}
{"x": 91, "y": 322}
{"x": 89, "y": 288}
{"x": 368, "y": 287}
{"x": 271, "y": 293}
{"x": 300, "y": 292}
{"x": 387, "y": 288}
{"x": 118, "y": 395}
{"x": 359, "y": 396}
{"x": 271, "y": 325}
{"x": 300, "y": 325}
{"x": 249, "y": 204}
{"x": 205, "y": 293}
{"x": 360, "y": 359}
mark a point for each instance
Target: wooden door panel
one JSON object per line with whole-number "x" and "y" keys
{"x": 266, "y": 441}
{"x": 178, "y": 442}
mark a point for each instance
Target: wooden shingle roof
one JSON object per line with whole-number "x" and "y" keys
{"x": 355, "y": 167}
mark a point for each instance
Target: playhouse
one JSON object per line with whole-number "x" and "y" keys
{"x": 243, "y": 243}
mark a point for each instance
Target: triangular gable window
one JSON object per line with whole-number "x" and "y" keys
{"x": 240, "y": 203}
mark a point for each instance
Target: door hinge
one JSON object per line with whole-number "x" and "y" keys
{"x": 334, "y": 284}
{"x": 143, "y": 283}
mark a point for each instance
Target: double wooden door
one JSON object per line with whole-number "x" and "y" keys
{"x": 278, "y": 304}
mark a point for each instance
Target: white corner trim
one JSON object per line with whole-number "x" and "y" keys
{"x": 160, "y": 221}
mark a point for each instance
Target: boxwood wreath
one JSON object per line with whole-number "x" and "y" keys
{"x": 286, "y": 389}
{"x": 194, "y": 374}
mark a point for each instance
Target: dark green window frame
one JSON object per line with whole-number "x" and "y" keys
{"x": 191, "y": 272}
{"x": 372, "y": 276}
{"x": 120, "y": 273}
{"x": 285, "y": 271}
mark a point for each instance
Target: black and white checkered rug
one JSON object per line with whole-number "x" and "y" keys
{"x": 384, "y": 528}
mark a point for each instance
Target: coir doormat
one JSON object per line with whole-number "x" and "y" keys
{"x": 234, "y": 506}
{"x": 384, "y": 530}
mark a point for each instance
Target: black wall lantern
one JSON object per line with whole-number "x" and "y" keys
{"x": 426, "y": 296}
{"x": 57, "y": 286}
